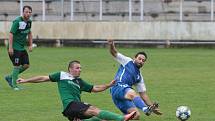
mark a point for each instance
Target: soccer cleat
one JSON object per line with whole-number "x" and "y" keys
{"x": 151, "y": 108}
{"x": 17, "y": 88}
{"x": 9, "y": 80}
{"x": 129, "y": 116}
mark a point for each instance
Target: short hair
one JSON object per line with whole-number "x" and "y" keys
{"x": 141, "y": 53}
{"x": 71, "y": 63}
{"x": 26, "y": 6}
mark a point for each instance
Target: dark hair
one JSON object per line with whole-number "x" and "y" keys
{"x": 141, "y": 53}
{"x": 71, "y": 63}
{"x": 26, "y": 6}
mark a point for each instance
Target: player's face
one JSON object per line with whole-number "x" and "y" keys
{"x": 27, "y": 13}
{"x": 75, "y": 70}
{"x": 140, "y": 60}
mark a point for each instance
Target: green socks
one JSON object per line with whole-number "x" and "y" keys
{"x": 21, "y": 69}
{"x": 93, "y": 119}
{"x": 14, "y": 75}
{"x": 106, "y": 115}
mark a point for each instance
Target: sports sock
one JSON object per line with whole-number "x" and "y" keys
{"x": 21, "y": 69}
{"x": 139, "y": 103}
{"x": 93, "y": 119}
{"x": 15, "y": 76}
{"x": 9, "y": 75}
{"x": 107, "y": 115}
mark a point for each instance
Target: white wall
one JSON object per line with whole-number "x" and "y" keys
{"x": 120, "y": 30}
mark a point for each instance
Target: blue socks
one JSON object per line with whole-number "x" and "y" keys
{"x": 139, "y": 103}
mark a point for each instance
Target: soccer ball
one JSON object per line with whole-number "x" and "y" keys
{"x": 183, "y": 113}
{"x": 34, "y": 45}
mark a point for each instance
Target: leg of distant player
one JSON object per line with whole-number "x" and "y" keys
{"x": 23, "y": 68}
{"x": 15, "y": 74}
{"x": 16, "y": 71}
{"x": 24, "y": 64}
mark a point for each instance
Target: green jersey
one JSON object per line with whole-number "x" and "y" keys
{"x": 20, "y": 29}
{"x": 70, "y": 88}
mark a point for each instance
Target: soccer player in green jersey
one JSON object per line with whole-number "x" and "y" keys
{"x": 20, "y": 31}
{"x": 70, "y": 86}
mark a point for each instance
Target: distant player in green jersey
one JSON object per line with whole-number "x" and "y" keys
{"x": 20, "y": 34}
{"x": 70, "y": 86}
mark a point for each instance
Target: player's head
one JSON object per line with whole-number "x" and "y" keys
{"x": 74, "y": 68}
{"x": 140, "y": 58}
{"x": 27, "y": 11}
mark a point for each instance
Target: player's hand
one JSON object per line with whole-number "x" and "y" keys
{"x": 10, "y": 51}
{"x": 157, "y": 111}
{"x": 110, "y": 41}
{"x": 20, "y": 80}
{"x": 112, "y": 83}
{"x": 30, "y": 48}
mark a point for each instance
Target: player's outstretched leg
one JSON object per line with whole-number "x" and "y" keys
{"x": 107, "y": 115}
{"x": 129, "y": 116}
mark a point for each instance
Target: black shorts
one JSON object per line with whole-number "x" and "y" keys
{"x": 19, "y": 57}
{"x": 76, "y": 110}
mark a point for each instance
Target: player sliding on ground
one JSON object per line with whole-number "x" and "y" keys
{"x": 70, "y": 86}
{"x": 128, "y": 74}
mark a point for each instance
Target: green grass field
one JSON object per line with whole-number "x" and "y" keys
{"x": 173, "y": 77}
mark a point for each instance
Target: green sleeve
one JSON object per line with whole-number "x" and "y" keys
{"x": 54, "y": 77}
{"x": 14, "y": 27}
{"x": 85, "y": 86}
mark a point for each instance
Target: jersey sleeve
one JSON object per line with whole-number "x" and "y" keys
{"x": 140, "y": 87}
{"x": 85, "y": 86}
{"x": 122, "y": 59}
{"x": 54, "y": 77}
{"x": 14, "y": 27}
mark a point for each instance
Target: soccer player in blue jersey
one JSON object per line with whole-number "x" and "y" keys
{"x": 128, "y": 75}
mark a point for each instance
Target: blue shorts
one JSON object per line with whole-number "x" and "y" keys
{"x": 118, "y": 96}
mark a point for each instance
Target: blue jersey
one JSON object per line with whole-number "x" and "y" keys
{"x": 128, "y": 73}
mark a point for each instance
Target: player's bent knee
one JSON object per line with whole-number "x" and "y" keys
{"x": 131, "y": 94}
{"x": 93, "y": 111}
{"x": 26, "y": 66}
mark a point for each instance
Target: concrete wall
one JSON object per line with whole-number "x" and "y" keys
{"x": 119, "y": 30}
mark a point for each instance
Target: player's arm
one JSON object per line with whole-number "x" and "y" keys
{"x": 100, "y": 88}
{"x": 36, "y": 79}
{"x": 148, "y": 102}
{"x": 122, "y": 59}
{"x": 10, "y": 43}
{"x": 146, "y": 98}
{"x": 30, "y": 40}
{"x": 141, "y": 89}
{"x": 112, "y": 47}
{"x": 13, "y": 30}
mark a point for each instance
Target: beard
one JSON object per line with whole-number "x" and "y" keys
{"x": 139, "y": 65}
